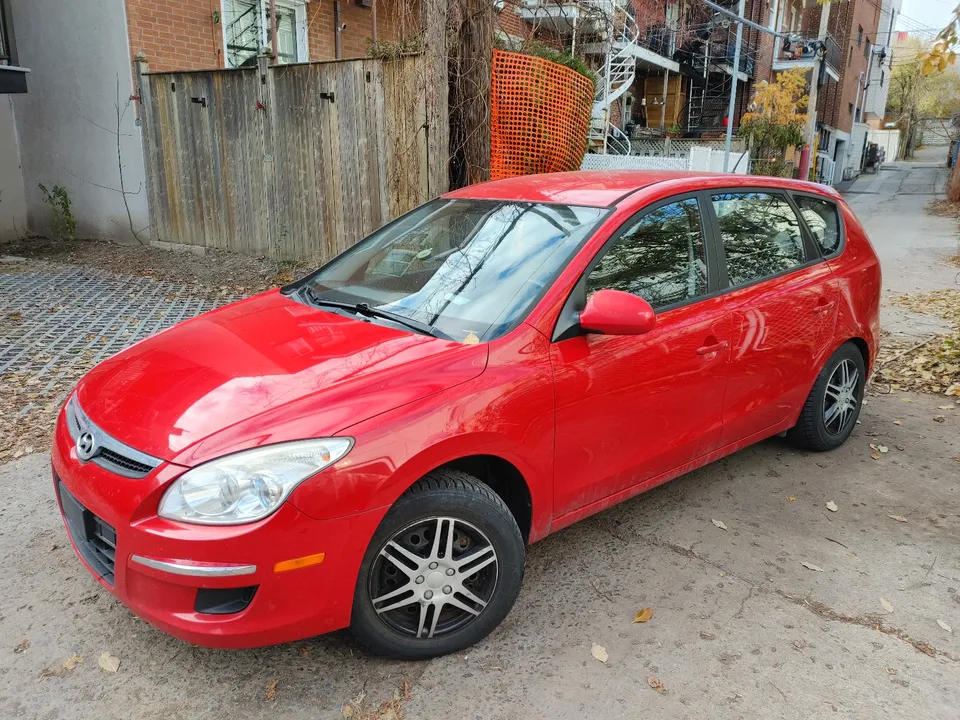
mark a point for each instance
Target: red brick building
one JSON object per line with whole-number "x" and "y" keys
{"x": 206, "y": 34}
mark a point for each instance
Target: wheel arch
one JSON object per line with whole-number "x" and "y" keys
{"x": 506, "y": 480}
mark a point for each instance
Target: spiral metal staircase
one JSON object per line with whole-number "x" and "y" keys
{"x": 617, "y": 73}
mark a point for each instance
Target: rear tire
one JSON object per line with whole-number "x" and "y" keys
{"x": 833, "y": 406}
{"x": 442, "y": 571}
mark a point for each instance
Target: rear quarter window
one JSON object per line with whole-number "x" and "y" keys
{"x": 823, "y": 219}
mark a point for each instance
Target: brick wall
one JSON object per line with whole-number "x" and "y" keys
{"x": 176, "y": 34}
{"x": 835, "y": 99}
{"x": 182, "y": 34}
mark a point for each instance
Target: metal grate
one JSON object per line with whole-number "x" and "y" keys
{"x": 95, "y": 540}
{"x": 118, "y": 461}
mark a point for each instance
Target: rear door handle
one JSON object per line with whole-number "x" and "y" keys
{"x": 824, "y": 307}
{"x": 710, "y": 349}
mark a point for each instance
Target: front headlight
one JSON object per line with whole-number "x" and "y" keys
{"x": 248, "y": 485}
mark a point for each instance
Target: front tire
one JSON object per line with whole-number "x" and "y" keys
{"x": 441, "y": 572}
{"x": 833, "y": 406}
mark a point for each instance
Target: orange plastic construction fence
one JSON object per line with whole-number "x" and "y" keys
{"x": 540, "y": 116}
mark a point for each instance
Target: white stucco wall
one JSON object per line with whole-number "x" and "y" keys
{"x": 67, "y": 121}
{"x": 13, "y": 205}
{"x": 876, "y": 104}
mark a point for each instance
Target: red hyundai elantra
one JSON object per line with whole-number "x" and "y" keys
{"x": 375, "y": 445}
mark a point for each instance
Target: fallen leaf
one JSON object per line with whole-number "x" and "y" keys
{"x": 108, "y": 663}
{"x": 270, "y": 693}
{"x": 944, "y": 407}
{"x": 940, "y": 419}
{"x": 875, "y": 456}
{"x": 890, "y": 671}
{"x": 898, "y": 518}
{"x": 886, "y": 605}
{"x": 643, "y": 615}
{"x": 832, "y": 506}
{"x": 901, "y": 448}
{"x": 68, "y": 665}
{"x": 953, "y": 390}
{"x": 719, "y": 524}
{"x": 811, "y": 566}
{"x": 304, "y": 651}
{"x": 656, "y": 684}
{"x": 946, "y": 627}
{"x": 897, "y": 422}
{"x": 706, "y": 636}
{"x": 24, "y": 644}
{"x": 792, "y": 499}
{"x": 883, "y": 448}
{"x": 347, "y": 711}
{"x": 599, "y": 653}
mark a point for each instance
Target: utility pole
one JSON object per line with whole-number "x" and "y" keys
{"x": 810, "y": 132}
{"x": 732, "y": 108}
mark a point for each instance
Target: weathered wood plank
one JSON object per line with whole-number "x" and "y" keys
{"x": 268, "y": 167}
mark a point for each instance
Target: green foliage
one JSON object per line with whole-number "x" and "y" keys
{"x": 64, "y": 224}
{"x": 546, "y": 52}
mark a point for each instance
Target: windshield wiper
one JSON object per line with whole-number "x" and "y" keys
{"x": 368, "y": 311}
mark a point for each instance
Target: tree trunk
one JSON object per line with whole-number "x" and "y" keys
{"x": 953, "y": 187}
{"x": 471, "y": 62}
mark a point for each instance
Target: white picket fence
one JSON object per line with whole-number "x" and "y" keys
{"x": 701, "y": 158}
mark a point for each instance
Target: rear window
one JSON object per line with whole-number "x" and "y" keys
{"x": 823, "y": 220}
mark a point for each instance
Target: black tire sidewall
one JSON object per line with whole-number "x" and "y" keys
{"x": 825, "y": 439}
{"x": 472, "y": 506}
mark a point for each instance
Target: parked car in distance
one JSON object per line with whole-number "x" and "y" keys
{"x": 375, "y": 445}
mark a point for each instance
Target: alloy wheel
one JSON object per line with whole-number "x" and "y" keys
{"x": 433, "y": 577}
{"x": 841, "y": 398}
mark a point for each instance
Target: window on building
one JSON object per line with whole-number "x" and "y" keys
{"x": 761, "y": 235}
{"x": 866, "y": 49}
{"x": 882, "y": 77}
{"x": 850, "y": 108}
{"x": 246, "y": 29}
{"x": 859, "y": 35}
{"x": 774, "y": 12}
{"x": 660, "y": 257}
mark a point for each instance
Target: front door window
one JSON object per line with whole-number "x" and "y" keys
{"x": 660, "y": 257}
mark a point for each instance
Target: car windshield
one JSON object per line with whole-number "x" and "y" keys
{"x": 469, "y": 270}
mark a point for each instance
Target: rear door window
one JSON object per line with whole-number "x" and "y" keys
{"x": 823, "y": 220}
{"x": 760, "y": 233}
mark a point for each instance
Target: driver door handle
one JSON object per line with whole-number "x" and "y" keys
{"x": 824, "y": 307}
{"x": 714, "y": 348}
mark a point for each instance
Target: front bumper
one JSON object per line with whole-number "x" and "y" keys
{"x": 177, "y": 565}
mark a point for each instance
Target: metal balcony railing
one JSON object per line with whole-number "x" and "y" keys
{"x": 805, "y": 48}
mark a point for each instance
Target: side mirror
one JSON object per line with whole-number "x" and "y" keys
{"x": 613, "y": 312}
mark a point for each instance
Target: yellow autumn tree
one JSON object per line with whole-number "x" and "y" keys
{"x": 775, "y": 121}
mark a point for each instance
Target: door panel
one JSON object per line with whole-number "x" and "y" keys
{"x": 630, "y": 408}
{"x": 783, "y": 315}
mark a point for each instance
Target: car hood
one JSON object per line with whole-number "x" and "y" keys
{"x": 266, "y": 369}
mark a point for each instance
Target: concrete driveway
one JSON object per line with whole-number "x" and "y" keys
{"x": 741, "y": 627}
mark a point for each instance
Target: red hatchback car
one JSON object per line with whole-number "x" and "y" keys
{"x": 373, "y": 446}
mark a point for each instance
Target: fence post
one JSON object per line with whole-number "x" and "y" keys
{"x": 143, "y": 103}
{"x": 266, "y": 95}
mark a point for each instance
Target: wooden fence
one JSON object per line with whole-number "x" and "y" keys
{"x": 295, "y": 161}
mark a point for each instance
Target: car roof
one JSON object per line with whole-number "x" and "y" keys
{"x": 605, "y": 188}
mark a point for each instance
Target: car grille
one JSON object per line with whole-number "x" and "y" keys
{"x": 109, "y": 453}
{"x": 96, "y": 541}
